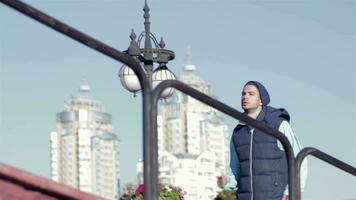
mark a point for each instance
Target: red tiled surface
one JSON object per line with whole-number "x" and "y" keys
{"x": 16, "y": 184}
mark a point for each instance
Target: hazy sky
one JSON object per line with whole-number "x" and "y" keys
{"x": 304, "y": 52}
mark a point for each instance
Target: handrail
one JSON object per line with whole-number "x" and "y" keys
{"x": 229, "y": 111}
{"x": 322, "y": 156}
{"x": 151, "y": 189}
{"x": 74, "y": 34}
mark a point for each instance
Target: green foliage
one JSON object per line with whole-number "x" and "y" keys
{"x": 226, "y": 195}
{"x": 129, "y": 192}
{"x": 166, "y": 192}
{"x": 170, "y": 192}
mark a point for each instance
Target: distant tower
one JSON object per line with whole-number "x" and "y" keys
{"x": 84, "y": 149}
{"x": 192, "y": 139}
{"x": 185, "y": 125}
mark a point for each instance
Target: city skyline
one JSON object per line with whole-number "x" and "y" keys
{"x": 304, "y": 56}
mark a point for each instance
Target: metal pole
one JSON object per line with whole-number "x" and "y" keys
{"x": 148, "y": 44}
{"x": 150, "y": 168}
{"x": 150, "y": 177}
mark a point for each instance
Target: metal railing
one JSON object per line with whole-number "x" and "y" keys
{"x": 322, "y": 156}
{"x": 150, "y": 103}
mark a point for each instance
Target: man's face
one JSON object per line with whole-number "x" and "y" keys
{"x": 250, "y": 98}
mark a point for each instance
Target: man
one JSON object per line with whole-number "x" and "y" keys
{"x": 258, "y": 161}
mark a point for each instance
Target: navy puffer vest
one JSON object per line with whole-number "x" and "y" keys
{"x": 263, "y": 166}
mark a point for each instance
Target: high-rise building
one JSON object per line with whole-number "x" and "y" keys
{"x": 187, "y": 126}
{"x": 195, "y": 174}
{"x": 84, "y": 149}
{"x": 192, "y": 141}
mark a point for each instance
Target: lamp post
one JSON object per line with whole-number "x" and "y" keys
{"x": 147, "y": 56}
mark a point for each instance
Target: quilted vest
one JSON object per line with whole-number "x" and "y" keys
{"x": 263, "y": 166}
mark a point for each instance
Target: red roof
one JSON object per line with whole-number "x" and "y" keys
{"x": 19, "y": 184}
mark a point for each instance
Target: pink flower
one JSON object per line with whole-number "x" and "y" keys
{"x": 140, "y": 189}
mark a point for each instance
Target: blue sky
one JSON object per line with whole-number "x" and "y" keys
{"x": 304, "y": 52}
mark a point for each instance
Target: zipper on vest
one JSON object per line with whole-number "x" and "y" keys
{"x": 251, "y": 159}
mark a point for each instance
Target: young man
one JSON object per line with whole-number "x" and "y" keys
{"x": 258, "y": 161}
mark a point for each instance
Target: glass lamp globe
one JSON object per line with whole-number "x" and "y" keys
{"x": 128, "y": 79}
{"x": 160, "y": 74}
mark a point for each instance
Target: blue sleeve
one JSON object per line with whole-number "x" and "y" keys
{"x": 234, "y": 161}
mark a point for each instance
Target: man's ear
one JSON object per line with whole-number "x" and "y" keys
{"x": 261, "y": 102}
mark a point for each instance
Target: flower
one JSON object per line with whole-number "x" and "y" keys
{"x": 167, "y": 192}
{"x": 140, "y": 189}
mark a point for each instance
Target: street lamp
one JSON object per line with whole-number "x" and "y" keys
{"x": 147, "y": 57}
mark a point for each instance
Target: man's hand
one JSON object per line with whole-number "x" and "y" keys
{"x": 285, "y": 197}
